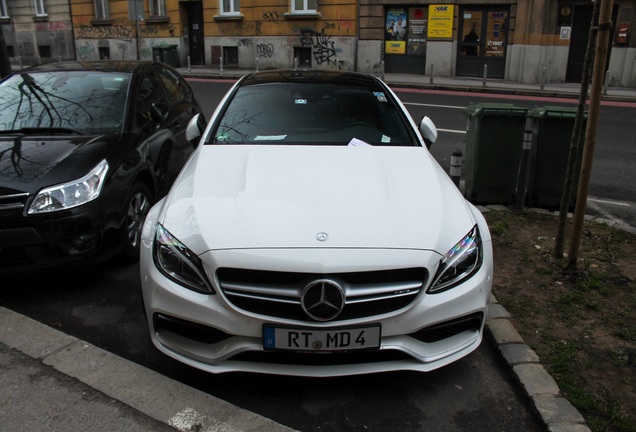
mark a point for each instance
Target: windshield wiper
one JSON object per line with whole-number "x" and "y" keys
{"x": 42, "y": 131}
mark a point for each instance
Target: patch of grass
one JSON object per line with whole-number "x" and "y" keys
{"x": 604, "y": 413}
{"x": 499, "y": 223}
{"x": 627, "y": 333}
{"x": 580, "y": 320}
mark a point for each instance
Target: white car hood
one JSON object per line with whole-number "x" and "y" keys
{"x": 270, "y": 196}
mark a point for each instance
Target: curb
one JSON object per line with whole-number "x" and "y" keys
{"x": 173, "y": 403}
{"x": 556, "y": 412}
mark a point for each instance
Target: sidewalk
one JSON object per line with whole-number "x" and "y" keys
{"x": 464, "y": 84}
{"x": 50, "y": 381}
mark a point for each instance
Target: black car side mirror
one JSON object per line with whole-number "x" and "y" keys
{"x": 159, "y": 112}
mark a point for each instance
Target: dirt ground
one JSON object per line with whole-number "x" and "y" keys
{"x": 581, "y": 323}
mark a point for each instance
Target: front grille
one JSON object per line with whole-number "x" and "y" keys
{"x": 447, "y": 329}
{"x": 278, "y": 294}
{"x": 13, "y": 201}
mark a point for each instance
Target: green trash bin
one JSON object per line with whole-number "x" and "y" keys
{"x": 494, "y": 142}
{"x": 166, "y": 54}
{"x": 552, "y": 127}
{"x": 170, "y": 56}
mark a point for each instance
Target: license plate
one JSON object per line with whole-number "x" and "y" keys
{"x": 303, "y": 339}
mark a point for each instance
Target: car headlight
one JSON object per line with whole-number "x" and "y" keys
{"x": 179, "y": 263}
{"x": 71, "y": 194}
{"x": 460, "y": 263}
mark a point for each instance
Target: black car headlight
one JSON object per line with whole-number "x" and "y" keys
{"x": 71, "y": 194}
{"x": 460, "y": 263}
{"x": 179, "y": 263}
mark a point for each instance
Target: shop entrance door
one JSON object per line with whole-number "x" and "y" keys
{"x": 483, "y": 38}
{"x": 194, "y": 11}
{"x": 582, "y": 20}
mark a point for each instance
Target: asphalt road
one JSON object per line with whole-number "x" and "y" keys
{"x": 102, "y": 305}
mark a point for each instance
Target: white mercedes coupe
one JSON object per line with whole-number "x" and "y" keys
{"x": 312, "y": 233}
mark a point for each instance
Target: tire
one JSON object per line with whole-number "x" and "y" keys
{"x": 138, "y": 204}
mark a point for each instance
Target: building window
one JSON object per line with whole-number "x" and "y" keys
{"x": 4, "y": 12}
{"x": 104, "y": 53}
{"x": 40, "y": 10}
{"x": 101, "y": 10}
{"x": 230, "y": 7}
{"x": 157, "y": 8}
{"x": 304, "y": 6}
{"x": 45, "y": 51}
{"x": 10, "y": 51}
{"x": 302, "y": 57}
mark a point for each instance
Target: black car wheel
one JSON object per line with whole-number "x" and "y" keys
{"x": 139, "y": 203}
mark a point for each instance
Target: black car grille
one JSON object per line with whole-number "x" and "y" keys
{"x": 13, "y": 201}
{"x": 447, "y": 329}
{"x": 278, "y": 294}
{"x": 189, "y": 329}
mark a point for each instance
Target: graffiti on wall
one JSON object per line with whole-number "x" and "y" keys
{"x": 274, "y": 16}
{"x": 85, "y": 51}
{"x": 245, "y": 42}
{"x": 154, "y": 30}
{"x": 265, "y": 50}
{"x": 248, "y": 27}
{"x": 125, "y": 33}
{"x": 123, "y": 48}
{"x": 323, "y": 48}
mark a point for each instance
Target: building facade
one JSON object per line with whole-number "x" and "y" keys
{"x": 527, "y": 41}
{"x": 37, "y": 31}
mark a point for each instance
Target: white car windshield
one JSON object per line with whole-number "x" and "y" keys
{"x": 313, "y": 114}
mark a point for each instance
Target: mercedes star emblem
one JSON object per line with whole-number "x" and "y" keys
{"x": 323, "y": 300}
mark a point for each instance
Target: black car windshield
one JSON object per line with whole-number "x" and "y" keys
{"x": 84, "y": 102}
{"x": 313, "y": 114}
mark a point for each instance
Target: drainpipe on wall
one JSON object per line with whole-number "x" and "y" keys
{"x": 355, "y": 45}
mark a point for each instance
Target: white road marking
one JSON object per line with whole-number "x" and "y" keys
{"x": 435, "y": 106}
{"x": 601, "y": 201}
{"x": 451, "y": 131}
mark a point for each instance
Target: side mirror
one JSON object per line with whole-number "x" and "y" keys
{"x": 195, "y": 128}
{"x": 159, "y": 112}
{"x": 428, "y": 131}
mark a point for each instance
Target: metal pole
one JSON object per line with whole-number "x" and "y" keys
{"x": 295, "y": 63}
{"x": 382, "y": 66}
{"x": 137, "y": 29}
{"x": 606, "y": 82}
{"x": 256, "y": 64}
{"x": 456, "y": 166}
{"x": 189, "y": 65}
{"x": 543, "y": 78}
{"x": 485, "y": 74}
{"x": 432, "y": 73}
{"x": 221, "y": 64}
{"x": 524, "y": 168}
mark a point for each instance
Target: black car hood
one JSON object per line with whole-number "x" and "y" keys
{"x": 29, "y": 163}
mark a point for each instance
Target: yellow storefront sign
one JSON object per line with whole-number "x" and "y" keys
{"x": 440, "y": 21}
{"x": 395, "y": 47}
